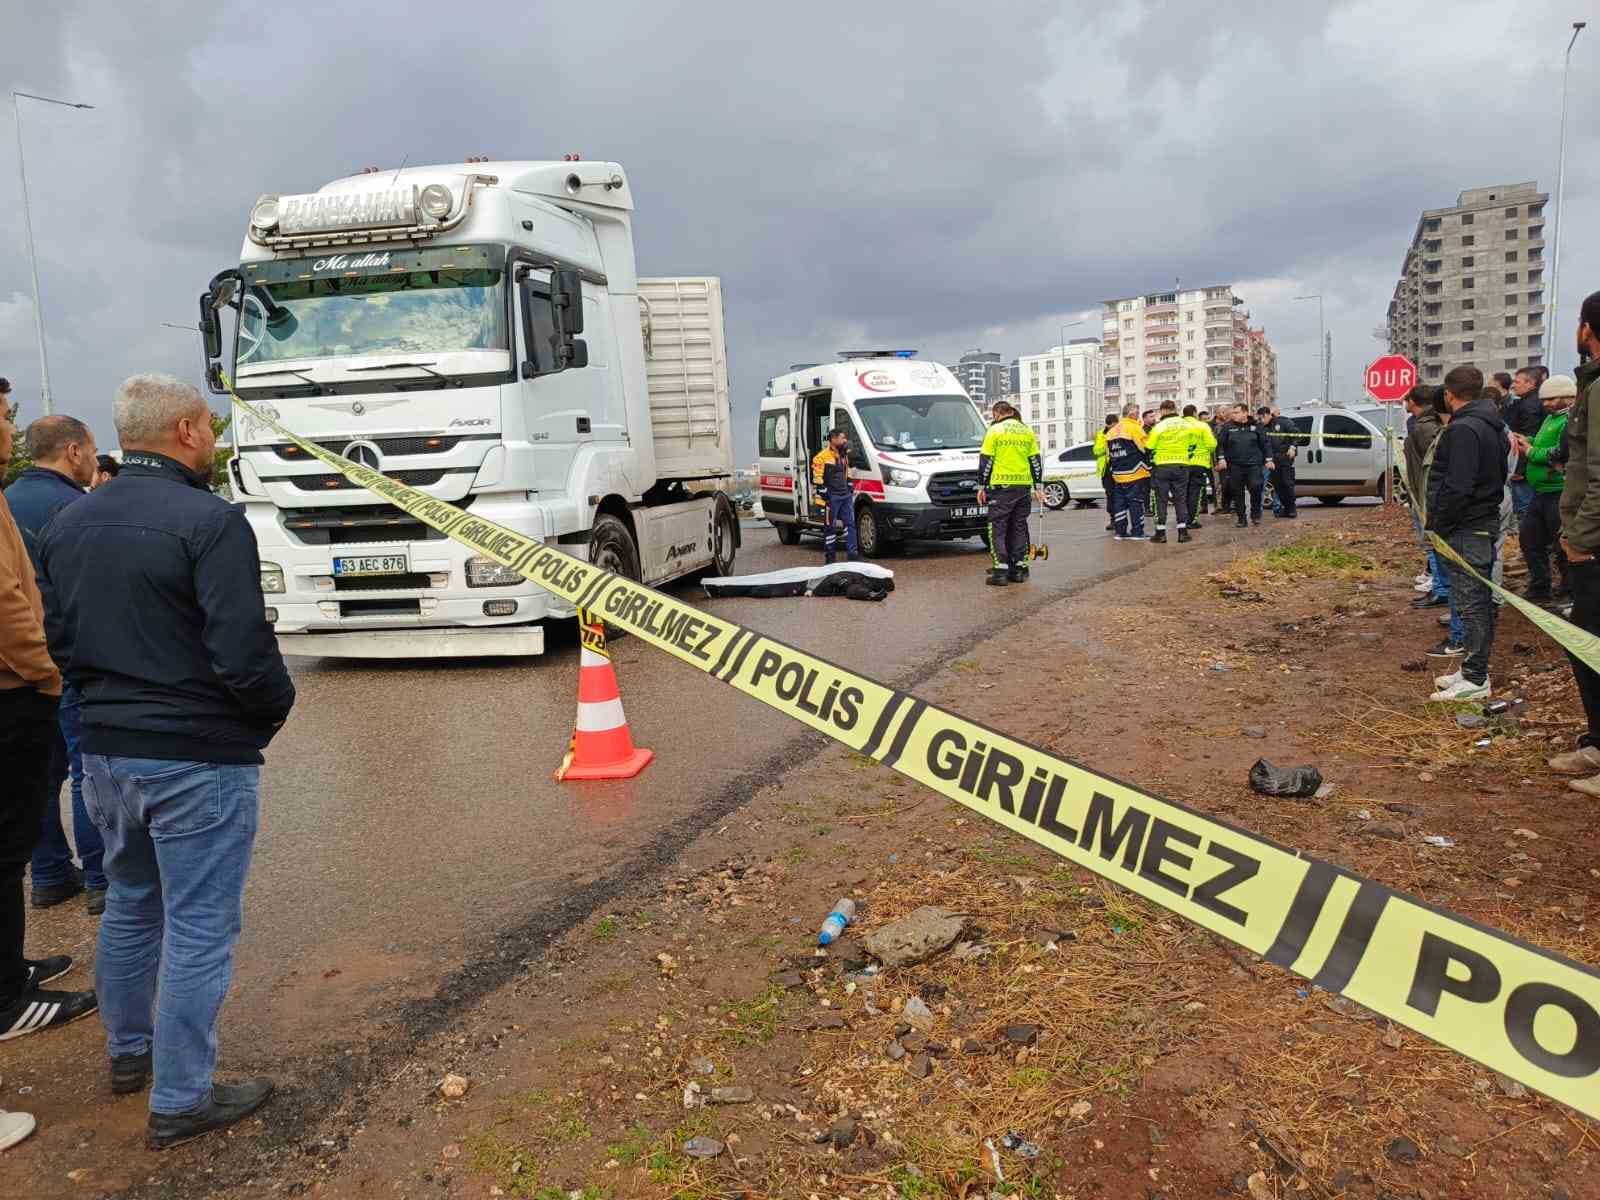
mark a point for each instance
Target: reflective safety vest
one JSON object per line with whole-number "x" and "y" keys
{"x": 1010, "y": 456}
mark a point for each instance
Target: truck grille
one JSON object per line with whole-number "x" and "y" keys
{"x": 336, "y": 483}
{"x": 954, "y": 487}
{"x": 387, "y": 445}
{"x": 359, "y": 524}
{"x": 380, "y": 583}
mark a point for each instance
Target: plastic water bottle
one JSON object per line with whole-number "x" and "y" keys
{"x": 843, "y": 913}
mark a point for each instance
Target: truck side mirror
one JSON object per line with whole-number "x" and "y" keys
{"x": 210, "y": 330}
{"x": 566, "y": 313}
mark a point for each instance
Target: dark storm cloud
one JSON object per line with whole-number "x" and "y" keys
{"x": 932, "y": 175}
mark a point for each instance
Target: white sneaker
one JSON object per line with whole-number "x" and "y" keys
{"x": 1425, "y": 577}
{"x": 1461, "y": 689}
{"x": 1450, "y": 680}
{"x": 1423, "y": 585}
{"x": 14, "y": 1127}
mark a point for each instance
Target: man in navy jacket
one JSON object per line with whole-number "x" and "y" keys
{"x": 153, "y": 610}
{"x": 64, "y": 464}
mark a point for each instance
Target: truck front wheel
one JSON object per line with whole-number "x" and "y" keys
{"x": 788, "y": 532}
{"x": 611, "y": 547}
{"x": 724, "y": 538}
{"x": 869, "y": 533}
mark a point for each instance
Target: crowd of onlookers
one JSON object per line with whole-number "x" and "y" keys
{"x": 135, "y": 660}
{"x": 1511, "y": 456}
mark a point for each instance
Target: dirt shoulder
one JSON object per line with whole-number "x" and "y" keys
{"x": 1132, "y": 1054}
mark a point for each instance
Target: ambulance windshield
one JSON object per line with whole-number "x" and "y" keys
{"x": 922, "y": 423}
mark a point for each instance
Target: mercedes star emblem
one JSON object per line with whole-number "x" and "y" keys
{"x": 365, "y": 453}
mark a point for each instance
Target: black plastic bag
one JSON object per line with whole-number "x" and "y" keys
{"x": 1284, "y": 781}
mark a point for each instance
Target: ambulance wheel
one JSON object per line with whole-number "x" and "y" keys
{"x": 788, "y": 532}
{"x": 1056, "y": 496}
{"x": 869, "y": 534}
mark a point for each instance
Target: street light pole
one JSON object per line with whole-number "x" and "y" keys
{"x": 1322, "y": 344}
{"x": 27, "y": 227}
{"x": 1551, "y": 331}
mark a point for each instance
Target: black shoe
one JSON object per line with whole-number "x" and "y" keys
{"x": 229, "y": 1104}
{"x": 1255, "y": 520}
{"x": 1294, "y": 516}
{"x": 1430, "y": 602}
{"x": 58, "y": 893}
{"x": 1538, "y": 595}
{"x": 1446, "y": 649}
{"x": 1183, "y": 536}
{"x": 40, "y": 1009}
{"x": 94, "y": 901}
{"x": 42, "y": 970}
{"x": 1242, "y": 523}
{"x": 1018, "y": 575}
{"x": 1159, "y": 536}
{"x": 998, "y": 579}
{"x": 1194, "y": 525}
{"x": 1110, "y": 526}
{"x": 129, "y": 1073}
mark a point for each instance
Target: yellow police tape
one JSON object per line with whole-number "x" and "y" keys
{"x": 1520, "y": 1010}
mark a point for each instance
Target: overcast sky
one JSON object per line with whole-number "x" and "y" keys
{"x": 901, "y": 173}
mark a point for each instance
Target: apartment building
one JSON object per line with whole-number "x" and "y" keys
{"x": 1261, "y": 370}
{"x": 1190, "y": 346}
{"x": 1060, "y": 393}
{"x": 1471, "y": 287}
{"x": 985, "y": 377}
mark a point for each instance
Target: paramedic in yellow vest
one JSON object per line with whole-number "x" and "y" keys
{"x": 1202, "y": 452}
{"x": 1168, "y": 443}
{"x": 1102, "y": 468}
{"x": 1010, "y": 473}
{"x": 833, "y": 491}
{"x": 1130, "y": 474}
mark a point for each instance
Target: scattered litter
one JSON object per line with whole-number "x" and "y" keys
{"x": 1509, "y": 1087}
{"x": 914, "y": 937}
{"x": 732, "y": 1095}
{"x": 1347, "y": 1008}
{"x": 1526, "y": 833}
{"x": 1363, "y": 814}
{"x": 843, "y": 913}
{"x": 1299, "y": 782}
{"x": 1220, "y": 666}
{"x": 1080, "y": 1109}
{"x": 1324, "y": 792}
{"x": 1471, "y": 720}
{"x": 971, "y": 951}
{"x": 1482, "y": 742}
{"x": 1391, "y": 1038}
{"x": 691, "y": 1095}
{"x": 1050, "y": 939}
{"x": 994, "y": 1157}
{"x": 702, "y": 1066}
{"x": 1019, "y": 1145}
{"x": 1438, "y": 839}
{"x": 702, "y": 1147}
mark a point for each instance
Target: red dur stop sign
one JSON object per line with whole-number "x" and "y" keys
{"x": 1390, "y": 378}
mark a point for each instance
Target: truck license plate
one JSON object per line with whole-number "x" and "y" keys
{"x": 372, "y": 564}
{"x": 975, "y": 510}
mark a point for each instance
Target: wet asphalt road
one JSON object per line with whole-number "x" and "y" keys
{"x": 410, "y": 826}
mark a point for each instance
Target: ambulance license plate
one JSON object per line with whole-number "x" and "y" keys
{"x": 372, "y": 564}
{"x": 976, "y": 510}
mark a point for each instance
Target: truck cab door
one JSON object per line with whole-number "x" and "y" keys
{"x": 558, "y": 408}
{"x": 813, "y": 432}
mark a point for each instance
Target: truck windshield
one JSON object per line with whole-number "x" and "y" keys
{"x": 410, "y": 312}
{"x": 922, "y": 422}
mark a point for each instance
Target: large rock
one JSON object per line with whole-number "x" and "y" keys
{"x": 913, "y": 938}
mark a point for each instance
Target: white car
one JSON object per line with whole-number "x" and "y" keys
{"x": 1070, "y": 477}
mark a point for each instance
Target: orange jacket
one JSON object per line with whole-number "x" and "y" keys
{"x": 24, "y": 656}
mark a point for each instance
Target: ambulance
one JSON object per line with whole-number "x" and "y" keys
{"x": 914, "y": 439}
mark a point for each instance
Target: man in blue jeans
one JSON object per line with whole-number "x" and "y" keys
{"x": 64, "y": 465}
{"x": 153, "y": 610}
{"x": 1465, "y": 486}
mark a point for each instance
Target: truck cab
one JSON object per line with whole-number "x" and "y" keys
{"x": 914, "y": 440}
{"x": 477, "y": 331}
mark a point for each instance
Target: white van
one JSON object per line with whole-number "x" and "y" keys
{"x": 1341, "y": 451}
{"x": 914, "y": 441}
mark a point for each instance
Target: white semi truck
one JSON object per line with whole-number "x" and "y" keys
{"x": 477, "y": 331}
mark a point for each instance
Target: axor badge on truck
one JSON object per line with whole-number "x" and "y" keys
{"x": 914, "y": 439}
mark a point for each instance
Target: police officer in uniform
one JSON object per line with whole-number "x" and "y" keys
{"x": 1280, "y": 441}
{"x": 830, "y": 477}
{"x": 1010, "y": 474}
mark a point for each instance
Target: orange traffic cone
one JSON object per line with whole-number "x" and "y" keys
{"x": 601, "y": 747}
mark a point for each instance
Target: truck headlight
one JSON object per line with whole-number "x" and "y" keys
{"x": 271, "y": 578}
{"x": 485, "y": 572}
{"x": 436, "y": 201}
{"x": 905, "y": 479}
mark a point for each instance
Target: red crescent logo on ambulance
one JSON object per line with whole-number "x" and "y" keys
{"x": 876, "y": 381}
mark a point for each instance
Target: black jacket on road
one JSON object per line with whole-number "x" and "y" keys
{"x": 153, "y": 609}
{"x": 1243, "y": 446}
{"x": 1468, "y": 477}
